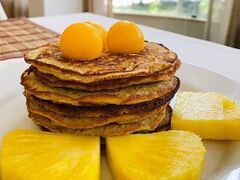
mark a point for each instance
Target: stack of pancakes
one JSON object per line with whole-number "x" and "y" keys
{"x": 115, "y": 94}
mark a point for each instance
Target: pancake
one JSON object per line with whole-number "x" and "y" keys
{"x": 74, "y": 122}
{"x": 108, "y": 110}
{"x": 153, "y": 58}
{"x": 51, "y": 80}
{"x": 164, "y": 125}
{"x": 116, "y": 94}
{"x": 129, "y": 95}
{"x": 107, "y": 130}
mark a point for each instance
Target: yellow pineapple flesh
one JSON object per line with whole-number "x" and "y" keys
{"x": 36, "y": 155}
{"x": 210, "y": 115}
{"x": 171, "y": 155}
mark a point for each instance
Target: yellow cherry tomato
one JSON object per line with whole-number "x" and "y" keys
{"x": 102, "y": 30}
{"x": 125, "y": 37}
{"x": 81, "y": 41}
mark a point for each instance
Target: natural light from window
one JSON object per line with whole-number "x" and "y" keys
{"x": 172, "y": 8}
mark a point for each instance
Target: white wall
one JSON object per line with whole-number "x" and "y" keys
{"x": 189, "y": 27}
{"x": 54, "y": 7}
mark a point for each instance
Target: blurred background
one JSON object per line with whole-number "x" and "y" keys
{"x": 213, "y": 20}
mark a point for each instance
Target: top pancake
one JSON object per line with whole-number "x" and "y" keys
{"x": 108, "y": 84}
{"x": 154, "y": 58}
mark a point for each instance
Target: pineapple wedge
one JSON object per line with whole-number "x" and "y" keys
{"x": 165, "y": 155}
{"x": 36, "y": 155}
{"x": 210, "y": 115}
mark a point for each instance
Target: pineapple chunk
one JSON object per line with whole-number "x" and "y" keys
{"x": 165, "y": 155}
{"x": 30, "y": 155}
{"x": 210, "y": 115}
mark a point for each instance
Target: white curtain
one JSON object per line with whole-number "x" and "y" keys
{"x": 15, "y": 8}
{"x": 20, "y": 8}
{"x": 217, "y": 26}
{"x": 101, "y": 7}
{"x": 233, "y": 35}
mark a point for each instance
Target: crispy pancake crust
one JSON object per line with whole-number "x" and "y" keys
{"x": 98, "y": 111}
{"x": 154, "y": 58}
{"x": 74, "y": 122}
{"x": 51, "y": 80}
{"x": 107, "y": 130}
{"x": 129, "y": 95}
{"x": 164, "y": 125}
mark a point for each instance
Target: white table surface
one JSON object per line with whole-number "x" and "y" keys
{"x": 215, "y": 57}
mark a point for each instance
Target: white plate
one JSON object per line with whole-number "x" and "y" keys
{"x": 223, "y": 157}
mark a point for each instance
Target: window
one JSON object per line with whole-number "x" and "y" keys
{"x": 173, "y": 8}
